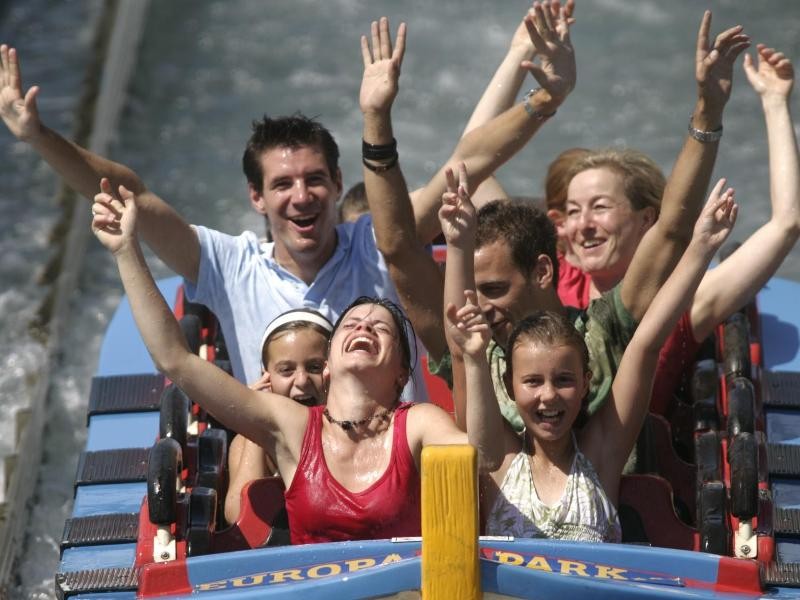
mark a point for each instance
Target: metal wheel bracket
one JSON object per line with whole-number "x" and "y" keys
{"x": 745, "y": 540}
{"x": 164, "y": 547}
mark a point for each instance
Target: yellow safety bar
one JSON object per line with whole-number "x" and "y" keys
{"x": 450, "y": 524}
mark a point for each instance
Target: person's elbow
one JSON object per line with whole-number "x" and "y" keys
{"x": 173, "y": 364}
{"x": 790, "y": 225}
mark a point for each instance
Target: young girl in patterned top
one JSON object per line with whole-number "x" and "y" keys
{"x": 560, "y": 478}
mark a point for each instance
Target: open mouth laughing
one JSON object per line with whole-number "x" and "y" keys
{"x": 303, "y": 223}
{"x": 305, "y": 399}
{"x": 550, "y": 416}
{"x": 362, "y": 343}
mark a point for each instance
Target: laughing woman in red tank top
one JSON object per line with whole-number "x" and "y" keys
{"x": 351, "y": 467}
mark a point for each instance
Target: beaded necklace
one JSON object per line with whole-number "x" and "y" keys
{"x": 348, "y": 425}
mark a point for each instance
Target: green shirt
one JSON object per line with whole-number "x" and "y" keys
{"x": 607, "y": 327}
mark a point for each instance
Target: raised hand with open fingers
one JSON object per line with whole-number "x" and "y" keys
{"x": 521, "y": 36}
{"x": 114, "y": 218}
{"x": 774, "y": 75}
{"x": 555, "y": 70}
{"x": 18, "y": 110}
{"x": 714, "y": 63}
{"x": 457, "y": 214}
{"x": 382, "y": 64}
{"x": 718, "y": 217}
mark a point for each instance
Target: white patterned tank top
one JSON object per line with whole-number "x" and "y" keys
{"x": 583, "y": 512}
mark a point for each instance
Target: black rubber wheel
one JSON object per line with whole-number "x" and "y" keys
{"x": 202, "y": 521}
{"x": 743, "y": 460}
{"x": 707, "y": 455}
{"x": 174, "y": 417}
{"x": 741, "y": 407}
{"x": 711, "y": 518}
{"x": 736, "y": 346}
{"x": 704, "y": 380}
{"x": 704, "y": 391}
{"x": 212, "y": 460}
{"x": 163, "y": 481}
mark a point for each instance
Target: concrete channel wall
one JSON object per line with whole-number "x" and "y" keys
{"x": 118, "y": 34}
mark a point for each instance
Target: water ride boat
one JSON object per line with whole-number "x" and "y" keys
{"x": 714, "y": 514}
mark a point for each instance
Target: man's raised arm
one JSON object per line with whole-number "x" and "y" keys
{"x": 663, "y": 245}
{"x": 161, "y": 227}
{"x": 416, "y": 276}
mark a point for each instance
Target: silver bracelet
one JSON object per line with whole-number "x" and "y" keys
{"x": 704, "y": 136}
{"x": 532, "y": 112}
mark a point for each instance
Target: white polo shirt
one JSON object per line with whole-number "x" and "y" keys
{"x": 244, "y": 286}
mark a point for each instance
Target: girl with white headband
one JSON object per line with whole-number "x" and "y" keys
{"x": 293, "y": 353}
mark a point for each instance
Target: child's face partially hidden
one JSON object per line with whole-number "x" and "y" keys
{"x": 295, "y": 365}
{"x": 549, "y": 385}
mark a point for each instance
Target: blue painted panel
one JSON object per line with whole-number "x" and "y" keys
{"x": 785, "y": 493}
{"x": 693, "y": 565}
{"x": 380, "y": 581}
{"x": 519, "y": 582}
{"x": 127, "y": 430}
{"x": 787, "y": 551}
{"x": 303, "y": 568}
{"x": 780, "y": 324}
{"x": 123, "y": 351}
{"x": 204, "y": 569}
{"x": 783, "y": 426}
{"x": 106, "y": 499}
{"x": 98, "y": 557}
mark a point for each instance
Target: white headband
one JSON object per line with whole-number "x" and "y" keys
{"x": 302, "y": 315}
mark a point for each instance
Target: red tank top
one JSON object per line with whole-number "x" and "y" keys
{"x": 320, "y": 509}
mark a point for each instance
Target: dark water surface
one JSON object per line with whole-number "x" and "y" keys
{"x": 207, "y": 68}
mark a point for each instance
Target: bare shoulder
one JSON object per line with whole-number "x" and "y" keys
{"x": 430, "y": 424}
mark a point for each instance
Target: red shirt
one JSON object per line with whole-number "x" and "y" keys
{"x": 573, "y": 284}
{"x": 674, "y": 361}
{"x": 320, "y": 509}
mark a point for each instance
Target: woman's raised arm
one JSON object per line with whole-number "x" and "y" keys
{"x": 238, "y": 407}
